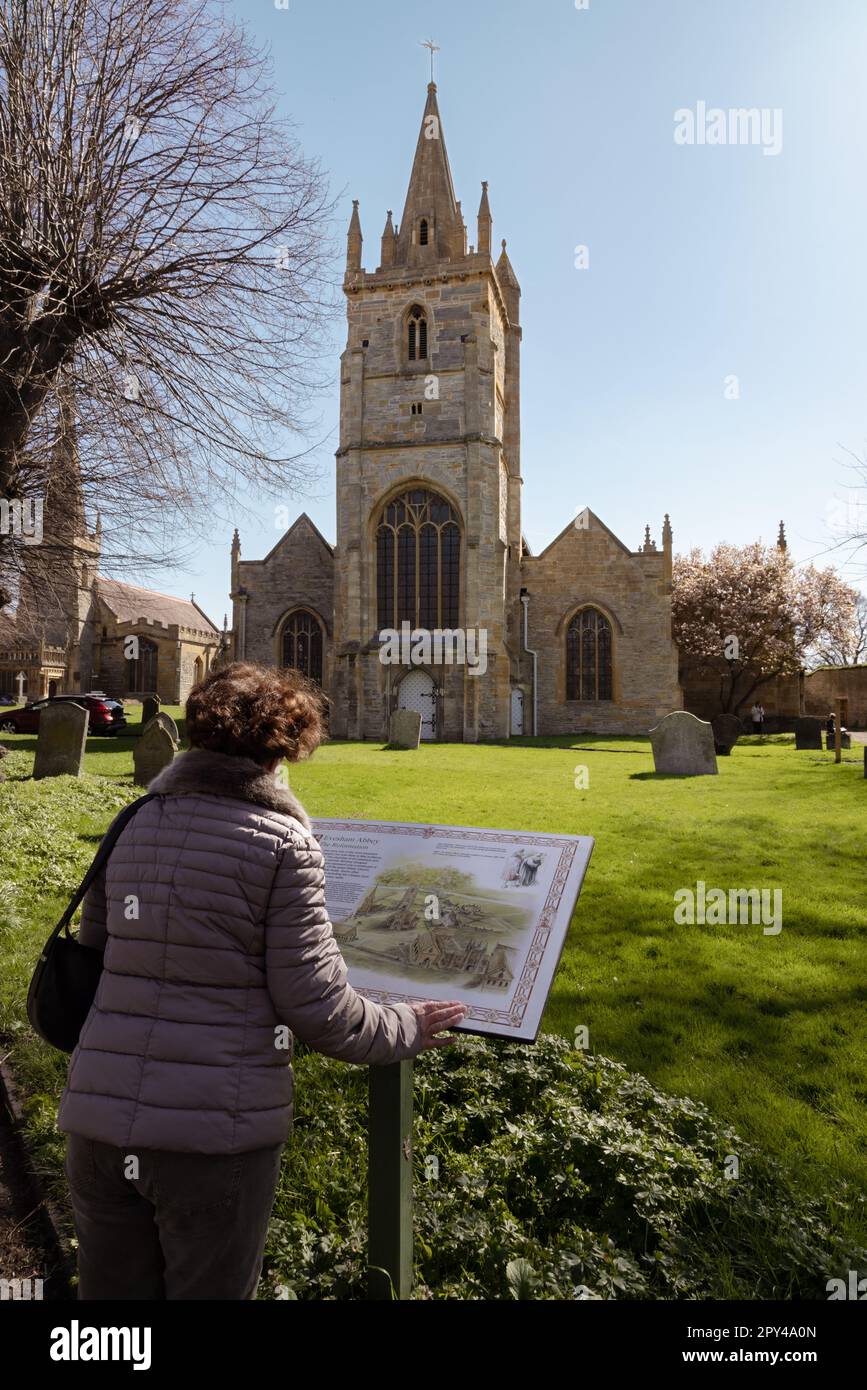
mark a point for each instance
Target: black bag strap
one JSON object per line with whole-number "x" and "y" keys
{"x": 107, "y": 844}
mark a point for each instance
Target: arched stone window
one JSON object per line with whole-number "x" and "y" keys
{"x": 423, "y": 233}
{"x": 588, "y": 657}
{"x": 418, "y": 562}
{"x": 417, "y": 334}
{"x": 301, "y": 644}
{"x": 143, "y": 669}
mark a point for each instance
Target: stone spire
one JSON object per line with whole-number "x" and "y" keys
{"x": 486, "y": 223}
{"x": 431, "y": 227}
{"x": 781, "y": 538}
{"x": 64, "y": 499}
{"x": 354, "y": 240}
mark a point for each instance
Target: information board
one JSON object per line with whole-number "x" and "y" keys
{"x": 449, "y": 912}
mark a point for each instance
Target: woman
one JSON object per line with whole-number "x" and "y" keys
{"x": 211, "y": 912}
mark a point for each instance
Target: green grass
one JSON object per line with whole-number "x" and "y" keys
{"x": 767, "y": 1031}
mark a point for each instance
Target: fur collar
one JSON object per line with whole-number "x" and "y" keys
{"x": 202, "y": 773}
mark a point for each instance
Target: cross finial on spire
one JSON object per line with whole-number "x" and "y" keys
{"x": 434, "y": 48}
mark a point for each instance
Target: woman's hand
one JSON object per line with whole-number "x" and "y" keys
{"x": 435, "y": 1016}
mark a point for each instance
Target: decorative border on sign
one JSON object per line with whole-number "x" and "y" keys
{"x": 512, "y": 1017}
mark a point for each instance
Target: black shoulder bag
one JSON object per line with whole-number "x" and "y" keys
{"x": 64, "y": 982}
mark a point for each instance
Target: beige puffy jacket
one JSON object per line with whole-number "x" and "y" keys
{"x": 212, "y": 914}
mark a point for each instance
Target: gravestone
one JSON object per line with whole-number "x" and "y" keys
{"x": 404, "y": 731}
{"x": 808, "y": 733}
{"x": 167, "y": 723}
{"x": 154, "y": 750}
{"x": 845, "y": 741}
{"x": 683, "y": 746}
{"x": 61, "y": 741}
{"x": 726, "y": 732}
{"x": 150, "y": 708}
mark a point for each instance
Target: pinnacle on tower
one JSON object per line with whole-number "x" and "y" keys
{"x": 354, "y": 240}
{"x": 509, "y": 285}
{"x": 486, "y": 223}
{"x": 781, "y": 539}
{"x": 389, "y": 242}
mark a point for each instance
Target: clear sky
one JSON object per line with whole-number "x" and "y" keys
{"x": 706, "y": 262}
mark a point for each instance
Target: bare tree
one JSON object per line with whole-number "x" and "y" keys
{"x": 847, "y": 648}
{"x": 163, "y": 246}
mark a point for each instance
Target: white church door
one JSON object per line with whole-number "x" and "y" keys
{"x": 517, "y": 711}
{"x": 417, "y": 693}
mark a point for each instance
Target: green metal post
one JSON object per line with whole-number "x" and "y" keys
{"x": 389, "y": 1182}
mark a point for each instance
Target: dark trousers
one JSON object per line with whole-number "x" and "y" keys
{"x": 158, "y": 1225}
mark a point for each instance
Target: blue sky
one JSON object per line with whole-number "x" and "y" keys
{"x": 706, "y": 262}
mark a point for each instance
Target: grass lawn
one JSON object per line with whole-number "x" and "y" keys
{"x": 766, "y": 1030}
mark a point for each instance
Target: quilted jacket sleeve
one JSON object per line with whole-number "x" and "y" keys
{"x": 92, "y": 930}
{"x": 307, "y": 976}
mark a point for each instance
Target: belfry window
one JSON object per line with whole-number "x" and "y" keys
{"x": 588, "y": 657}
{"x": 418, "y": 562}
{"x": 423, "y": 232}
{"x": 302, "y": 644}
{"x": 417, "y": 331}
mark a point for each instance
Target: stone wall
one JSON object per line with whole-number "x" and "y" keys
{"x": 298, "y": 573}
{"x": 823, "y": 687}
{"x": 590, "y": 567}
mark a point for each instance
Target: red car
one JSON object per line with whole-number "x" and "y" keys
{"x": 104, "y": 716}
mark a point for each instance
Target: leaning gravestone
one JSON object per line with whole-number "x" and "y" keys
{"x": 61, "y": 741}
{"x": 404, "y": 731}
{"x": 167, "y": 723}
{"x": 808, "y": 733}
{"x": 154, "y": 750}
{"x": 726, "y": 732}
{"x": 683, "y": 746}
{"x": 150, "y": 708}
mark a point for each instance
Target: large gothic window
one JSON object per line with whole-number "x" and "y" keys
{"x": 418, "y": 562}
{"x": 302, "y": 644}
{"x": 588, "y": 657}
{"x": 417, "y": 334}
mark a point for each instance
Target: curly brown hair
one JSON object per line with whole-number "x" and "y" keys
{"x": 256, "y": 712}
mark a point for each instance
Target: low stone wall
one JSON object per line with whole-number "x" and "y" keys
{"x": 831, "y": 683}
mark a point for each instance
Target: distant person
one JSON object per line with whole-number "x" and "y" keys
{"x": 758, "y": 717}
{"x": 179, "y": 1095}
{"x": 831, "y": 724}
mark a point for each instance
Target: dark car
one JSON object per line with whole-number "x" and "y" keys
{"x": 104, "y": 716}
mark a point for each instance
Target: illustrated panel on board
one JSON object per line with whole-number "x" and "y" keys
{"x": 451, "y": 912}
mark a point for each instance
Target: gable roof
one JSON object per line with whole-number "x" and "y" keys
{"x": 129, "y": 604}
{"x": 597, "y": 525}
{"x": 303, "y": 519}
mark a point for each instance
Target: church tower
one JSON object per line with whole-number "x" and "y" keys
{"x": 428, "y": 467}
